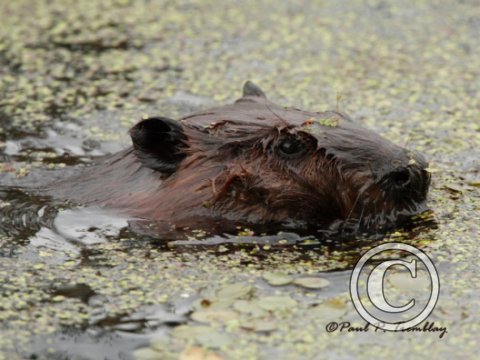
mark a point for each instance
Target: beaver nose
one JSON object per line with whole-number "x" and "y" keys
{"x": 408, "y": 181}
{"x": 400, "y": 178}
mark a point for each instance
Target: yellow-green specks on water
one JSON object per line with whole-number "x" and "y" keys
{"x": 330, "y": 122}
{"x": 408, "y": 70}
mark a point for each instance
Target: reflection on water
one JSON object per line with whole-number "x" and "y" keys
{"x": 22, "y": 215}
{"x": 82, "y": 226}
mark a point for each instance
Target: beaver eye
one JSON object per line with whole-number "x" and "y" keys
{"x": 291, "y": 147}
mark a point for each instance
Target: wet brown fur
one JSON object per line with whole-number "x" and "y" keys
{"x": 231, "y": 171}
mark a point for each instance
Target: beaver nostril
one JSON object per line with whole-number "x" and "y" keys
{"x": 400, "y": 178}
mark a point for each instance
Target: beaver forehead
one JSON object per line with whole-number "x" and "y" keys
{"x": 265, "y": 115}
{"x": 334, "y": 131}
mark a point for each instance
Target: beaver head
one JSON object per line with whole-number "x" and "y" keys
{"x": 258, "y": 163}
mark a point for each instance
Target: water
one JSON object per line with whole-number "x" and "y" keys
{"x": 85, "y": 283}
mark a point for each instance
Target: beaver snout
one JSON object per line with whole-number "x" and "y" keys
{"x": 406, "y": 174}
{"x": 405, "y": 178}
{"x": 401, "y": 178}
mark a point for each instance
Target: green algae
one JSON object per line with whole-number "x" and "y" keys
{"x": 409, "y": 73}
{"x": 331, "y": 122}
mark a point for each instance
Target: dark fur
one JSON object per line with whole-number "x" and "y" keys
{"x": 225, "y": 165}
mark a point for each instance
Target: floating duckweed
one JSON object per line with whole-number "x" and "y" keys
{"x": 330, "y": 122}
{"x": 277, "y": 303}
{"x": 104, "y": 64}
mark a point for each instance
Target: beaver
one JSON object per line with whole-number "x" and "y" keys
{"x": 254, "y": 162}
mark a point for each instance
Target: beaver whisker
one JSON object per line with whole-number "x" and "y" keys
{"x": 376, "y": 221}
{"x": 360, "y": 219}
{"x": 353, "y": 206}
{"x": 214, "y": 187}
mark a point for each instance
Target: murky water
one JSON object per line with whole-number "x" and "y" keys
{"x": 85, "y": 283}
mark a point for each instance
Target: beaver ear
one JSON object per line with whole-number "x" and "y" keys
{"x": 250, "y": 89}
{"x": 159, "y": 143}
